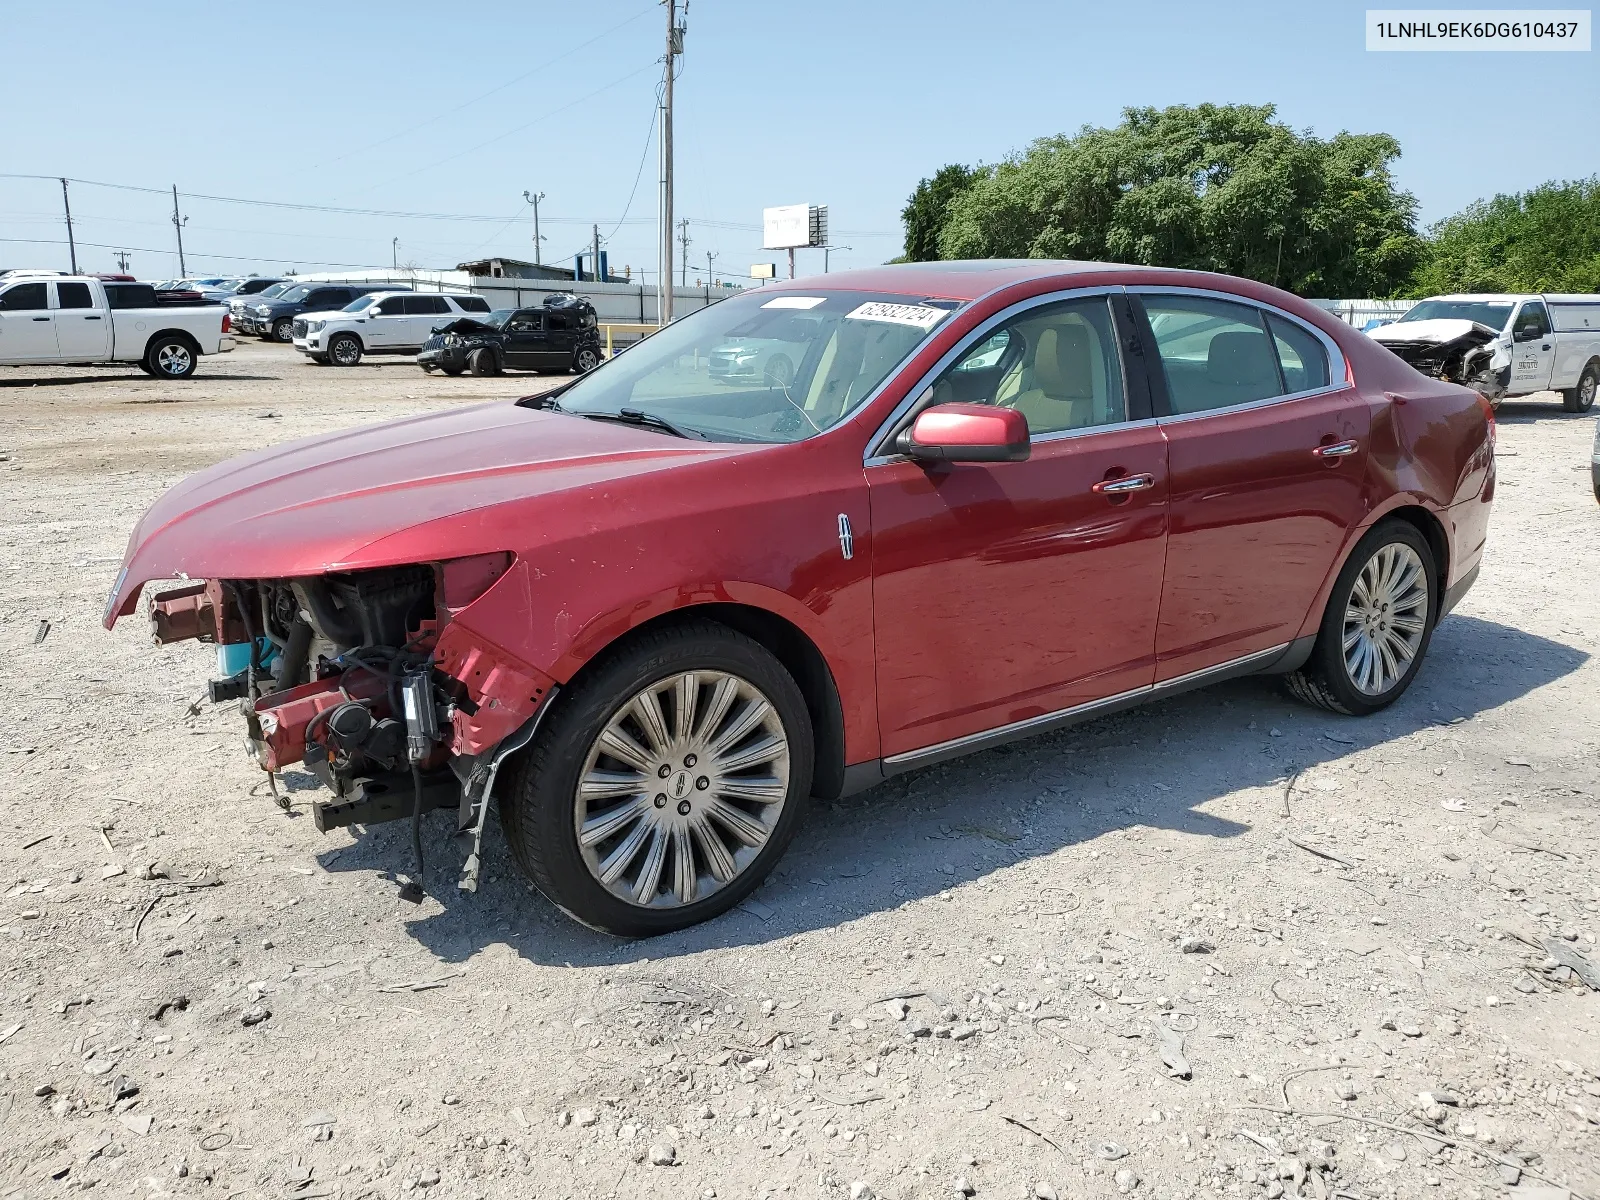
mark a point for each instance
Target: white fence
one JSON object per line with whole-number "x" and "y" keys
{"x": 1359, "y": 312}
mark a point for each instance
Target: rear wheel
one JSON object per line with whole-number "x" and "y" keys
{"x": 283, "y": 331}
{"x": 171, "y": 357}
{"x": 1581, "y": 398}
{"x": 483, "y": 362}
{"x": 345, "y": 350}
{"x": 585, "y": 360}
{"x": 1377, "y": 625}
{"x": 666, "y": 783}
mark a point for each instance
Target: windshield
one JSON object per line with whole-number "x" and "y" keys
{"x": 1493, "y": 313}
{"x": 359, "y": 303}
{"x": 297, "y": 293}
{"x": 764, "y": 366}
{"x": 495, "y": 319}
{"x": 274, "y": 291}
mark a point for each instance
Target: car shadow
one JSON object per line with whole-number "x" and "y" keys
{"x": 1529, "y": 410}
{"x": 1152, "y": 769}
{"x": 135, "y": 376}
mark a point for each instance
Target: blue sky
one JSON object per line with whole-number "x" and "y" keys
{"x": 826, "y": 102}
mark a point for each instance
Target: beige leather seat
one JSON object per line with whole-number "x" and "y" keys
{"x": 1060, "y": 394}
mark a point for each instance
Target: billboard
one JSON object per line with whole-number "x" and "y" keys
{"x": 786, "y": 227}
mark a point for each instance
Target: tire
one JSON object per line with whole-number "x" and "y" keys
{"x": 779, "y": 371}
{"x": 283, "y": 331}
{"x": 144, "y": 366}
{"x": 427, "y": 368}
{"x": 1580, "y": 399}
{"x": 483, "y": 362}
{"x": 344, "y": 350}
{"x": 541, "y": 807}
{"x": 1328, "y": 680}
{"x": 171, "y": 356}
{"x": 452, "y": 370}
{"x": 585, "y": 360}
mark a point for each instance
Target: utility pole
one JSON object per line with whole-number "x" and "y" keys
{"x": 534, "y": 200}
{"x": 684, "y": 239}
{"x": 178, "y": 224}
{"x": 828, "y": 250}
{"x": 72, "y": 245}
{"x": 122, "y": 262}
{"x": 394, "y": 253}
{"x": 597, "y": 277}
{"x": 675, "y": 32}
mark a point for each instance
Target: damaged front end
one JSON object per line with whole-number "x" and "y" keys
{"x": 375, "y": 681}
{"x": 1456, "y": 351}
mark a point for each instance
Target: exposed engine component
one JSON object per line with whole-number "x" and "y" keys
{"x": 1456, "y": 351}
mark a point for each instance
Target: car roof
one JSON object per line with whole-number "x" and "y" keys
{"x": 1488, "y": 297}
{"x": 967, "y": 279}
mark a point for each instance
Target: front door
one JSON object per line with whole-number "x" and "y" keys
{"x": 1007, "y": 591}
{"x": 386, "y": 326}
{"x": 1266, "y": 451}
{"x": 525, "y": 340}
{"x": 27, "y": 323}
{"x": 1533, "y": 349}
{"x": 83, "y": 332}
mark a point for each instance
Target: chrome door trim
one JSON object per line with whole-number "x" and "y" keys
{"x": 1000, "y": 734}
{"x": 875, "y": 455}
{"x": 1337, "y": 365}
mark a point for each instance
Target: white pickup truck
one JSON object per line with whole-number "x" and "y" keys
{"x": 1504, "y": 345}
{"x": 60, "y": 319}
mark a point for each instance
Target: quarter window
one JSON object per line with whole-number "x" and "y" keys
{"x": 24, "y": 298}
{"x": 1056, "y": 364}
{"x": 1303, "y": 358}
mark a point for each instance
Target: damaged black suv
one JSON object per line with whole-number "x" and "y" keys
{"x": 559, "y": 335}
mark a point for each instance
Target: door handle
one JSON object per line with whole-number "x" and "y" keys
{"x": 41, "y": 318}
{"x": 1127, "y": 483}
{"x": 91, "y": 318}
{"x": 1337, "y": 449}
{"x": 1545, "y": 346}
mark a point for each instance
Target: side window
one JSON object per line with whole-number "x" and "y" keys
{"x": 74, "y": 295}
{"x": 1303, "y": 358}
{"x": 1057, "y": 365}
{"x": 426, "y": 306}
{"x": 24, "y": 297}
{"x": 559, "y": 321}
{"x": 472, "y": 304}
{"x": 394, "y": 306}
{"x": 525, "y": 322}
{"x": 1532, "y": 322}
{"x": 1214, "y": 353}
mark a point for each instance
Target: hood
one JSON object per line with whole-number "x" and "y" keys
{"x": 466, "y": 327}
{"x": 408, "y": 491}
{"x": 1437, "y": 332}
{"x": 329, "y": 314}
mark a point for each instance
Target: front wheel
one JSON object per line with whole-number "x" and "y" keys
{"x": 345, "y": 350}
{"x": 1377, "y": 625}
{"x": 1580, "y": 399}
{"x": 666, "y": 783}
{"x": 171, "y": 358}
{"x": 483, "y": 362}
{"x": 585, "y": 360}
{"x": 283, "y": 331}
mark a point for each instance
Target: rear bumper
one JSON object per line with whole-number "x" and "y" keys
{"x": 1458, "y": 589}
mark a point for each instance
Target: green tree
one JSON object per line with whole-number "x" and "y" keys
{"x": 924, "y": 214}
{"x": 1210, "y": 187}
{"x": 1544, "y": 240}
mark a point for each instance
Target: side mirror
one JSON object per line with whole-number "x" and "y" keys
{"x": 969, "y": 433}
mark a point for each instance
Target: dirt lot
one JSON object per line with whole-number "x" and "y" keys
{"x": 966, "y": 979}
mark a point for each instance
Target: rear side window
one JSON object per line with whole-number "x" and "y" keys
{"x": 24, "y": 297}
{"x": 426, "y": 306}
{"x": 74, "y": 295}
{"x": 471, "y": 303}
{"x": 1303, "y": 358}
{"x": 560, "y": 321}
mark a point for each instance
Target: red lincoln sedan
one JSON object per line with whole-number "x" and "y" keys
{"x": 656, "y": 611}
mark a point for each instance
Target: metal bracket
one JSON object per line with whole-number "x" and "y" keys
{"x": 516, "y": 741}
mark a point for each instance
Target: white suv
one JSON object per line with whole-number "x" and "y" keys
{"x": 380, "y": 323}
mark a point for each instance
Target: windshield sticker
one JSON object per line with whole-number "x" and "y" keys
{"x": 919, "y": 315}
{"x": 794, "y": 302}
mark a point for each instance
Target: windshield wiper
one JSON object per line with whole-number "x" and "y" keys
{"x": 636, "y": 416}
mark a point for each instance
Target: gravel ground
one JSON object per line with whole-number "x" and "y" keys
{"x": 1220, "y": 946}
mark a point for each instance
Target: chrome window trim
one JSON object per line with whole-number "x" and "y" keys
{"x": 874, "y": 454}
{"x": 1337, "y": 368}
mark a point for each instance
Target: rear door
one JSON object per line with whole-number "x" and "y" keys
{"x": 83, "y": 332}
{"x": 525, "y": 339}
{"x": 1533, "y": 349}
{"x": 27, "y": 323}
{"x": 1266, "y": 449}
{"x": 562, "y": 341}
{"x": 422, "y": 314}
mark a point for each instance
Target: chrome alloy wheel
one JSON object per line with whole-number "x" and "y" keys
{"x": 682, "y": 789}
{"x": 174, "y": 359}
{"x": 1586, "y": 390}
{"x": 1385, "y": 618}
